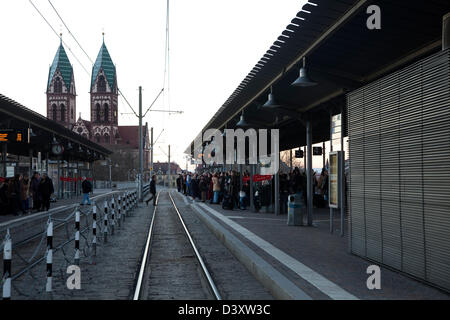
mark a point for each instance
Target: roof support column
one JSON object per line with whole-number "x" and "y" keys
{"x": 331, "y": 149}
{"x": 252, "y": 189}
{"x": 309, "y": 184}
{"x": 342, "y": 186}
{"x": 30, "y": 168}
{"x": 446, "y": 31}
{"x": 4, "y": 151}
{"x": 59, "y": 180}
{"x": 277, "y": 189}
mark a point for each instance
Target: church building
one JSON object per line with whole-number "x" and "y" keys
{"x": 103, "y": 127}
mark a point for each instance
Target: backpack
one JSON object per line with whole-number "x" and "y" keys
{"x": 227, "y": 203}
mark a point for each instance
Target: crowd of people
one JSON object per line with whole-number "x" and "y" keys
{"x": 224, "y": 188}
{"x": 21, "y": 195}
{"x": 217, "y": 188}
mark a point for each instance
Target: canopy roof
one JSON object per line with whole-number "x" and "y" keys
{"x": 15, "y": 116}
{"x": 342, "y": 54}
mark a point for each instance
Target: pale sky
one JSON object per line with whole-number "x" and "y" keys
{"x": 213, "y": 46}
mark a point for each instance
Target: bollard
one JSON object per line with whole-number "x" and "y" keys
{"x": 105, "y": 219}
{"x": 7, "y": 257}
{"x": 113, "y": 220}
{"x": 48, "y": 287}
{"x": 77, "y": 238}
{"x": 124, "y": 205}
{"x": 94, "y": 229}
{"x": 128, "y": 204}
{"x": 119, "y": 215}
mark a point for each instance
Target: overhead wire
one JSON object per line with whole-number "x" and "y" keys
{"x": 78, "y": 43}
{"x": 59, "y": 36}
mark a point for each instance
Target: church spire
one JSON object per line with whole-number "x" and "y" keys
{"x": 105, "y": 63}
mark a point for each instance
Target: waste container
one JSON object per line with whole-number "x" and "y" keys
{"x": 295, "y": 209}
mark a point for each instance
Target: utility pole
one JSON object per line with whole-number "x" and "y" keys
{"x": 141, "y": 147}
{"x": 151, "y": 154}
{"x": 169, "y": 169}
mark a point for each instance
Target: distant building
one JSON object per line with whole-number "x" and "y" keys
{"x": 161, "y": 170}
{"x": 103, "y": 126}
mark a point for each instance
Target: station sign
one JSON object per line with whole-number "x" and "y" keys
{"x": 298, "y": 153}
{"x": 336, "y": 176}
{"x": 11, "y": 135}
{"x": 317, "y": 151}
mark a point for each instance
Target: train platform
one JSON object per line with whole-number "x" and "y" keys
{"x": 304, "y": 262}
{"x": 60, "y": 203}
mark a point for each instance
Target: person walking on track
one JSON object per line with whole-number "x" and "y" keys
{"x": 86, "y": 186}
{"x": 152, "y": 191}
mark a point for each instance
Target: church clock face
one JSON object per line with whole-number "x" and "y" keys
{"x": 57, "y": 149}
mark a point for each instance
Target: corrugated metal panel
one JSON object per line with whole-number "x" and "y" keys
{"x": 399, "y": 135}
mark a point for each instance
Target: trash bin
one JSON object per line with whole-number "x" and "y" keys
{"x": 295, "y": 210}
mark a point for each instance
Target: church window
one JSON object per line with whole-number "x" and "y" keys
{"x": 97, "y": 138}
{"x": 97, "y": 113}
{"x": 106, "y": 113}
{"x": 58, "y": 85}
{"x": 63, "y": 113}
{"x": 107, "y": 139}
{"x": 54, "y": 112}
{"x": 71, "y": 113}
{"x": 101, "y": 86}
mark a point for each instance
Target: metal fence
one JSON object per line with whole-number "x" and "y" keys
{"x": 60, "y": 237}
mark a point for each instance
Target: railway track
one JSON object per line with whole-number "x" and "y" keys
{"x": 171, "y": 266}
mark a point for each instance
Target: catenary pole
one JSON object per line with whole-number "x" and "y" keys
{"x": 141, "y": 153}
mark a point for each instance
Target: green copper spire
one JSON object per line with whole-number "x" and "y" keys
{"x": 62, "y": 62}
{"x": 104, "y": 62}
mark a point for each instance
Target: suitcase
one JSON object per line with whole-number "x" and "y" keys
{"x": 227, "y": 203}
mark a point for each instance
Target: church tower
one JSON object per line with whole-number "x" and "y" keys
{"x": 61, "y": 95}
{"x": 104, "y": 99}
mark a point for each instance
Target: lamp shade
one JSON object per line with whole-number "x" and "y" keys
{"x": 271, "y": 102}
{"x": 242, "y": 123}
{"x": 303, "y": 80}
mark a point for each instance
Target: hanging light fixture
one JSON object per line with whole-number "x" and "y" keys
{"x": 303, "y": 80}
{"x": 242, "y": 123}
{"x": 271, "y": 101}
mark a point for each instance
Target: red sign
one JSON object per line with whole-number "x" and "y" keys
{"x": 259, "y": 177}
{"x": 246, "y": 179}
{"x": 70, "y": 179}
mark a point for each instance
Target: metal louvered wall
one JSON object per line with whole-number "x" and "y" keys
{"x": 399, "y": 194}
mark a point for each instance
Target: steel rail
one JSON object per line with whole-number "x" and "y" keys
{"x": 137, "y": 291}
{"x": 210, "y": 281}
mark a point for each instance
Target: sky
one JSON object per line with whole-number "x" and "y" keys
{"x": 213, "y": 45}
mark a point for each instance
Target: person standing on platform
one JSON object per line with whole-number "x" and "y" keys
{"x": 203, "y": 188}
{"x": 14, "y": 194}
{"x": 152, "y": 191}
{"x": 25, "y": 194}
{"x": 216, "y": 188}
{"x": 37, "y": 200}
{"x": 86, "y": 187}
{"x": 189, "y": 184}
{"x": 46, "y": 189}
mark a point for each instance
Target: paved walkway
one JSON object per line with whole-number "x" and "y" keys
{"x": 315, "y": 260}
{"x": 58, "y": 203}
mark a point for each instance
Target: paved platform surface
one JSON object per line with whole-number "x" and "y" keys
{"x": 315, "y": 260}
{"x": 57, "y": 204}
